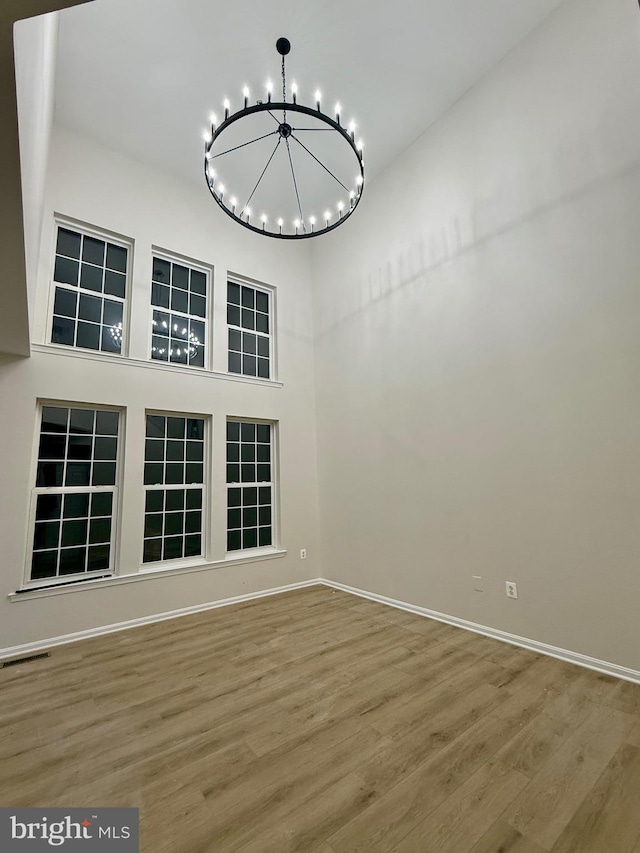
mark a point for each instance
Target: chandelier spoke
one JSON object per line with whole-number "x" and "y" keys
{"x": 295, "y": 183}
{"x": 320, "y": 163}
{"x": 262, "y": 175}
{"x": 244, "y": 144}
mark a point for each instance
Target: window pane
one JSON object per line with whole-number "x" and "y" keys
{"x": 115, "y": 284}
{"x": 248, "y": 297}
{"x": 52, "y": 447}
{"x": 78, "y": 474}
{"x": 175, "y": 427}
{"x": 93, "y": 250}
{"x": 66, "y": 302}
{"x": 107, "y": 423}
{"x": 116, "y": 258}
{"x": 91, "y": 278}
{"x": 104, "y": 474}
{"x": 54, "y": 419}
{"x": 262, "y": 302}
{"x": 74, "y": 532}
{"x": 112, "y": 312}
{"x": 160, "y": 295}
{"x": 49, "y": 474}
{"x": 194, "y": 498}
{"x": 152, "y": 550}
{"x": 174, "y": 499}
{"x": 198, "y": 283}
{"x": 180, "y": 277}
{"x": 235, "y": 362}
{"x": 66, "y": 271}
{"x": 88, "y": 336}
{"x": 98, "y": 559}
{"x": 153, "y": 474}
{"x": 44, "y": 565}
{"x": 156, "y": 426}
{"x": 154, "y": 501}
{"x": 263, "y": 433}
{"x": 68, "y": 243}
{"x": 63, "y": 331}
{"x": 161, "y": 271}
{"x": 101, "y": 503}
{"x": 72, "y": 561}
{"x": 233, "y": 293}
{"x": 81, "y": 421}
{"x": 99, "y": 530}
{"x": 46, "y": 535}
{"x": 48, "y": 507}
{"x": 76, "y": 506}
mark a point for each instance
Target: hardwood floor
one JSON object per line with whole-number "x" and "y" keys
{"x": 317, "y": 721}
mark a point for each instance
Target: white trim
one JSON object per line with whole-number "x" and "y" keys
{"x": 576, "y": 658}
{"x": 95, "y": 355}
{"x": 38, "y": 645}
{"x": 566, "y": 655}
{"x": 164, "y": 570}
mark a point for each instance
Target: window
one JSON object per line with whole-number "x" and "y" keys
{"x": 75, "y": 493}
{"x": 249, "y": 485}
{"x": 174, "y": 487}
{"x": 179, "y": 293}
{"x": 90, "y": 276}
{"x": 249, "y": 321}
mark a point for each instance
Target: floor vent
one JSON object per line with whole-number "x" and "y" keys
{"x": 25, "y": 660}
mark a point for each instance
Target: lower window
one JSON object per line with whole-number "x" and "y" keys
{"x": 174, "y": 487}
{"x": 75, "y": 495}
{"x": 249, "y": 485}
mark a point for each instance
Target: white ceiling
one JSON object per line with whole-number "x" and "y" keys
{"x": 144, "y": 75}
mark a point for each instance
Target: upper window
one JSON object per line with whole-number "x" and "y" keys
{"x": 249, "y": 321}
{"x": 174, "y": 487}
{"x": 90, "y": 276}
{"x": 75, "y": 492}
{"x": 179, "y": 299}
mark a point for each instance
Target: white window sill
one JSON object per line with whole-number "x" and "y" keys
{"x": 146, "y": 573}
{"x": 71, "y": 352}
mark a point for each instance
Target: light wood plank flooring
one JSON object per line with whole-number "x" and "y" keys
{"x": 317, "y": 721}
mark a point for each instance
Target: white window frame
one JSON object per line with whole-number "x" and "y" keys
{"x": 203, "y": 557}
{"x": 115, "y": 490}
{"x": 270, "y": 291}
{"x": 208, "y": 272}
{"x": 273, "y": 483}
{"x": 100, "y": 234}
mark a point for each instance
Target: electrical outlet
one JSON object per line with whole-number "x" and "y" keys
{"x": 303, "y": 553}
{"x": 512, "y": 589}
{"x": 478, "y": 585}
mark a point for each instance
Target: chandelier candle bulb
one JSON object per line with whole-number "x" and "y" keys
{"x": 338, "y": 108}
{"x": 248, "y": 212}
{"x": 221, "y": 190}
{"x": 318, "y": 99}
{"x": 294, "y": 92}
{"x": 234, "y": 202}
{"x": 269, "y": 90}
{"x": 227, "y": 106}
{"x": 280, "y": 223}
{"x": 296, "y": 225}
{"x": 327, "y": 217}
{"x": 264, "y": 220}
{"x": 352, "y": 130}
{"x": 312, "y": 221}
{"x": 246, "y": 93}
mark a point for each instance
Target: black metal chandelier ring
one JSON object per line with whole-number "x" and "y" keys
{"x": 284, "y": 132}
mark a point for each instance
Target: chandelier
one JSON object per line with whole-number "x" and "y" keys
{"x": 282, "y": 168}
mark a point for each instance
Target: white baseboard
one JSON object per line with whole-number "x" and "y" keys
{"x": 513, "y": 639}
{"x": 31, "y": 648}
{"x": 585, "y": 661}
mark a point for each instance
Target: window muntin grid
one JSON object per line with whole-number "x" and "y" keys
{"x": 249, "y": 485}
{"x": 249, "y": 333}
{"x": 75, "y": 492}
{"x": 174, "y": 486}
{"x": 179, "y": 298}
{"x": 90, "y": 276}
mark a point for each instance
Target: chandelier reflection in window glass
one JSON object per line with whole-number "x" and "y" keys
{"x": 282, "y": 168}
